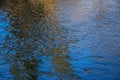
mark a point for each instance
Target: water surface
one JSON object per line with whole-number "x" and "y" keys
{"x": 60, "y": 40}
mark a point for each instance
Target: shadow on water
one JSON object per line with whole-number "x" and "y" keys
{"x": 34, "y": 35}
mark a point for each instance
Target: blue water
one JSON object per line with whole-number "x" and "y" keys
{"x": 60, "y": 40}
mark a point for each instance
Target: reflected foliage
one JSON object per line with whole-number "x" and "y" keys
{"x": 34, "y": 32}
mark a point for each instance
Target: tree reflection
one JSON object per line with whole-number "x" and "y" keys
{"x": 34, "y": 32}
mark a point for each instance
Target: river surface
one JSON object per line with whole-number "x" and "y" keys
{"x": 59, "y": 40}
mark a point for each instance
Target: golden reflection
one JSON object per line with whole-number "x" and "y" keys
{"x": 34, "y": 32}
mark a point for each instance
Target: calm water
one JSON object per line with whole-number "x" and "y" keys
{"x": 59, "y": 40}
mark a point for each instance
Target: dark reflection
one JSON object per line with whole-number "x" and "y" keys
{"x": 34, "y": 32}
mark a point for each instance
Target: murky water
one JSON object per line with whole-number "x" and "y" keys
{"x": 59, "y": 40}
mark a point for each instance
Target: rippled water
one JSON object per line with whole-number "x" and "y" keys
{"x": 59, "y": 40}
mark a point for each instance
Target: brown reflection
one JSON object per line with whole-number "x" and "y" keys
{"x": 35, "y": 32}
{"x": 61, "y": 64}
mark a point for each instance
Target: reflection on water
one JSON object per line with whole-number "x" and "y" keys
{"x": 34, "y": 33}
{"x": 59, "y": 40}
